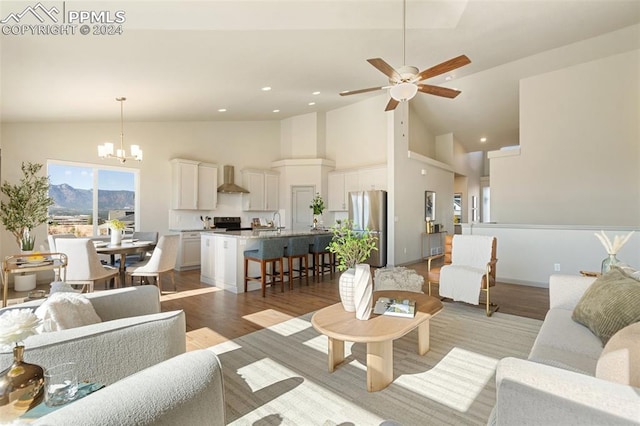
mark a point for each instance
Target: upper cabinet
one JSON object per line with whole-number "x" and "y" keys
{"x": 263, "y": 190}
{"x": 194, "y": 185}
{"x": 341, "y": 182}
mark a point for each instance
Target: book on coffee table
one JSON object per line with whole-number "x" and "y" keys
{"x": 395, "y": 307}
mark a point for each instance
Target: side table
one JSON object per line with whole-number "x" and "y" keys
{"x": 21, "y": 263}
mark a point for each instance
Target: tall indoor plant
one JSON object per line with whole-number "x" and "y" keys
{"x": 351, "y": 248}
{"x": 24, "y": 206}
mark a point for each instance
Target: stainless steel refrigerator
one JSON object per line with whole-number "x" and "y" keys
{"x": 368, "y": 211}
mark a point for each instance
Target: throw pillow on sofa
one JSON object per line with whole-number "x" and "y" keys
{"x": 620, "y": 359}
{"x": 62, "y": 311}
{"x": 611, "y": 303}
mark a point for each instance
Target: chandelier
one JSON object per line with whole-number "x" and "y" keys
{"x": 106, "y": 149}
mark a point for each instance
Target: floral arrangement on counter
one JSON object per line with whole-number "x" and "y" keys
{"x": 317, "y": 204}
{"x": 16, "y": 325}
{"x": 115, "y": 224}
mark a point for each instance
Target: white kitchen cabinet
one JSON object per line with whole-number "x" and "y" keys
{"x": 372, "y": 178}
{"x": 263, "y": 188}
{"x": 194, "y": 185}
{"x": 340, "y": 183}
{"x": 218, "y": 261}
{"x": 188, "y": 251}
{"x": 207, "y": 250}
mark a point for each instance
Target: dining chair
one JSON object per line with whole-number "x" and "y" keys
{"x": 52, "y": 240}
{"x": 141, "y": 236}
{"x": 162, "y": 260}
{"x": 84, "y": 266}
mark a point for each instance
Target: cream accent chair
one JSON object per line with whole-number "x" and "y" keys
{"x": 488, "y": 278}
{"x": 162, "y": 260}
{"x": 84, "y": 266}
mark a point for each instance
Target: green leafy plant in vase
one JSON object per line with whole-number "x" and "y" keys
{"x": 351, "y": 248}
{"x": 24, "y": 206}
{"x": 317, "y": 205}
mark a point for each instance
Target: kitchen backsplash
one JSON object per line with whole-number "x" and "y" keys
{"x": 228, "y": 205}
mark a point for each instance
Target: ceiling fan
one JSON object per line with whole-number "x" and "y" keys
{"x": 405, "y": 82}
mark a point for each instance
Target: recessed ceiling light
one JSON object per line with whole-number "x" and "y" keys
{"x": 222, "y": 110}
{"x": 483, "y": 139}
{"x": 316, "y": 93}
{"x": 276, "y": 110}
{"x": 448, "y": 78}
{"x": 266, "y": 88}
{"x": 312, "y": 103}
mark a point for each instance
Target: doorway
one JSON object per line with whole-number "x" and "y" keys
{"x": 301, "y": 213}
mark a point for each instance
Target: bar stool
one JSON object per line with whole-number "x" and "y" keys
{"x": 298, "y": 248}
{"x": 319, "y": 249}
{"x": 270, "y": 250}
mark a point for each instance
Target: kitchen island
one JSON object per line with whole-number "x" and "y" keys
{"x": 222, "y": 256}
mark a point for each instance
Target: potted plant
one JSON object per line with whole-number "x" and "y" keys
{"x": 317, "y": 205}
{"x": 26, "y": 205}
{"x": 116, "y": 228}
{"x": 351, "y": 248}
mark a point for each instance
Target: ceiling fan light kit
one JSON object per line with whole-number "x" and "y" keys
{"x": 403, "y": 91}
{"x": 405, "y": 82}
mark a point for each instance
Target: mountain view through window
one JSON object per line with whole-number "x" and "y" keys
{"x": 86, "y": 196}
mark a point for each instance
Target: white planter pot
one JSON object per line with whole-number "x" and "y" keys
{"x": 346, "y": 289}
{"x": 26, "y": 282}
{"x": 363, "y": 291}
{"x": 356, "y": 291}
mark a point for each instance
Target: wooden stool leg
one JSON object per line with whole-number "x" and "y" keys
{"x": 306, "y": 267}
{"x": 263, "y": 278}
{"x": 290, "y": 272}
{"x": 246, "y": 272}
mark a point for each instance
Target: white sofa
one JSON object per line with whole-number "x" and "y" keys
{"x": 139, "y": 353}
{"x": 134, "y": 335}
{"x": 557, "y": 384}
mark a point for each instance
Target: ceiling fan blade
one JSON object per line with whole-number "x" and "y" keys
{"x": 391, "y": 105}
{"x": 355, "y": 92}
{"x": 444, "y": 67}
{"x": 385, "y": 68}
{"x": 438, "y": 91}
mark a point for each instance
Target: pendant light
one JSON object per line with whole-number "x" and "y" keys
{"x": 106, "y": 150}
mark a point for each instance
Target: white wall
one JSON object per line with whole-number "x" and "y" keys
{"x": 303, "y": 136}
{"x": 579, "y": 161}
{"x": 242, "y": 144}
{"x": 528, "y": 254}
{"x": 357, "y": 134}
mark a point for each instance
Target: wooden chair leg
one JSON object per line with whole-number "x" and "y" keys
{"x": 306, "y": 267}
{"x": 281, "y": 261}
{"x": 290, "y": 272}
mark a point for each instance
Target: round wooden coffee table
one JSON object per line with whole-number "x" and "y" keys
{"x": 378, "y": 333}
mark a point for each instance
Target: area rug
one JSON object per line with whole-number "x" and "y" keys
{"x": 279, "y": 376}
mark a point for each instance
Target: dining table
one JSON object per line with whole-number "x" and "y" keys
{"x": 123, "y": 249}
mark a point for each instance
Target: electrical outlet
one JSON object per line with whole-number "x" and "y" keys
{"x": 556, "y": 267}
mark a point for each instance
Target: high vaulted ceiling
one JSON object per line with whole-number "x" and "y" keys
{"x": 185, "y": 60}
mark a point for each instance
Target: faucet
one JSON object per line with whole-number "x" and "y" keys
{"x": 276, "y": 224}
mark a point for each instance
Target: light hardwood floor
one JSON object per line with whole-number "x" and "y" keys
{"x": 214, "y": 315}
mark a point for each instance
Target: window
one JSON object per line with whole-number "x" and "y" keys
{"x": 83, "y": 192}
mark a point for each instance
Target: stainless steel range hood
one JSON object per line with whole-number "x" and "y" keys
{"x": 228, "y": 187}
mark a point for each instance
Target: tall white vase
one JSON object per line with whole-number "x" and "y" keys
{"x": 345, "y": 284}
{"x": 363, "y": 291}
